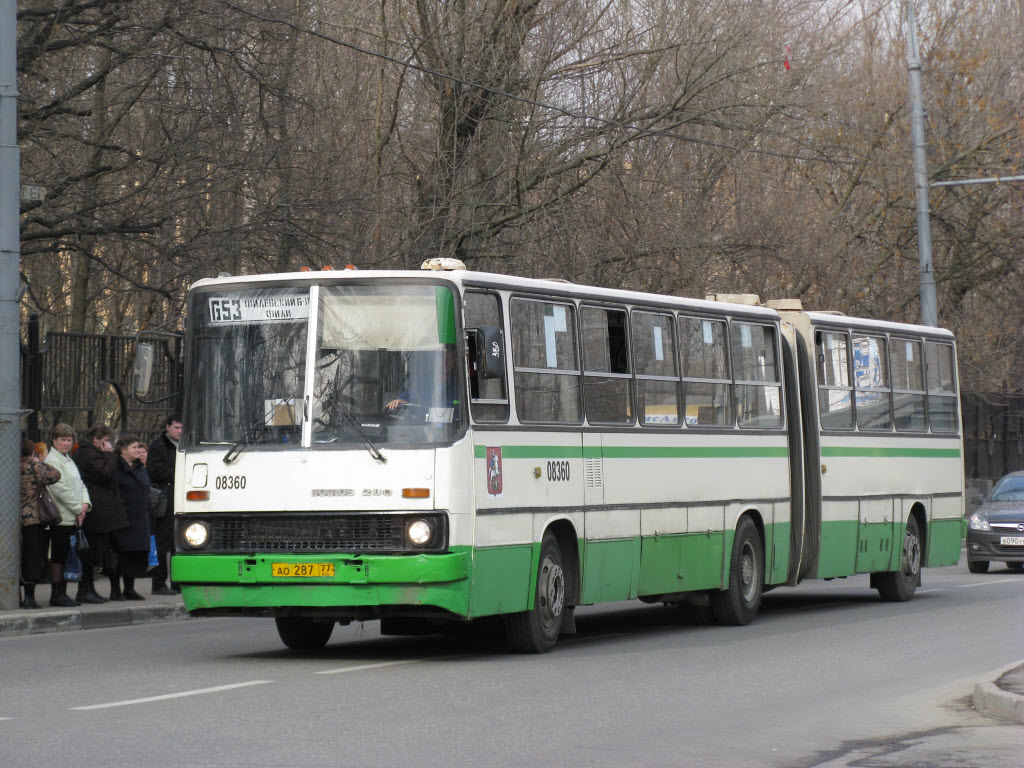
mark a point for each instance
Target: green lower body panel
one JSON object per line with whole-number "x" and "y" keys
{"x": 501, "y": 579}
{"x": 211, "y": 582}
{"x": 610, "y": 570}
{"x": 943, "y": 543}
{"x": 838, "y": 556}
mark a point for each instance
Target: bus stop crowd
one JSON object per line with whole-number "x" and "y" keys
{"x": 109, "y": 502}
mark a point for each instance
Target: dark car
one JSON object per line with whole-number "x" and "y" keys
{"x": 996, "y": 529}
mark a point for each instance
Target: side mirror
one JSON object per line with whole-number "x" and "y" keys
{"x": 488, "y": 346}
{"x": 142, "y": 373}
{"x": 979, "y": 499}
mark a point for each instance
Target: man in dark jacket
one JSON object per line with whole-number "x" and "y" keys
{"x": 163, "y": 454}
{"x": 97, "y": 464}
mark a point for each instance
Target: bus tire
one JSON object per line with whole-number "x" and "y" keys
{"x": 898, "y": 586}
{"x": 536, "y": 630}
{"x": 977, "y": 566}
{"x": 301, "y": 634}
{"x": 738, "y": 603}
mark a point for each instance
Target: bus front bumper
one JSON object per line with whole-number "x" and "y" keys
{"x": 360, "y": 586}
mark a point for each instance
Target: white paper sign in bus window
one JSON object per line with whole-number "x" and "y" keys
{"x": 659, "y": 349}
{"x": 553, "y": 323}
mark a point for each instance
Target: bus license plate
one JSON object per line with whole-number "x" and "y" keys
{"x": 301, "y": 570}
{"x": 1011, "y": 541}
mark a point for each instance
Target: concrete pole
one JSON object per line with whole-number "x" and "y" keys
{"x": 929, "y": 310}
{"x": 10, "y": 285}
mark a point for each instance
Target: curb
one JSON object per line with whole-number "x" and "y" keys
{"x": 992, "y": 701}
{"x": 38, "y": 622}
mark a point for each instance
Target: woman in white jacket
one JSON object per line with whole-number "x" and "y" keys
{"x": 72, "y": 499}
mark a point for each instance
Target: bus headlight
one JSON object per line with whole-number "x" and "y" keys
{"x": 419, "y": 532}
{"x": 196, "y": 535}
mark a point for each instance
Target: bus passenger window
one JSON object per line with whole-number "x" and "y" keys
{"x": 488, "y": 397}
{"x": 657, "y": 378}
{"x": 758, "y": 389}
{"x": 546, "y": 366}
{"x": 871, "y": 379}
{"x": 908, "y": 399}
{"x": 707, "y": 385}
{"x": 835, "y": 396}
{"x": 607, "y": 395}
{"x": 941, "y": 373}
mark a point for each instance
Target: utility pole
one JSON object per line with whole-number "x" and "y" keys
{"x": 10, "y": 335}
{"x": 929, "y": 311}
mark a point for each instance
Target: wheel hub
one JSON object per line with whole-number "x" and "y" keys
{"x": 912, "y": 553}
{"x": 748, "y": 571}
{"x": 552, "y": 590}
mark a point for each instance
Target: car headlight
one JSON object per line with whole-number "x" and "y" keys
{"x": 419, "y": 532}
{"x": 979, "y": 523}
{"x": 196, "y": 535}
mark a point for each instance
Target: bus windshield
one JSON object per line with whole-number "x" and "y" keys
{"x": 386, "y": 366}
{"x": 248, "y": 363}
{"x": 386, "y": 369}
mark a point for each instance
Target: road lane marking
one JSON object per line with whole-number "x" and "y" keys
{"x": 342, "y": 670}
{"x": 166, "y": 696}
{"x": 6, "y": 718}
{"x": 986, "y": 583}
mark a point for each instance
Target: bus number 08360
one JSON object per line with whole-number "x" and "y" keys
{"x": 558, "y": 471}
{"x": 229, "y": 482}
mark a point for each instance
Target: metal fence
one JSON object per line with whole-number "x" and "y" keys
{"x": 83, "y": 379}
{"x": 993, "y": 436}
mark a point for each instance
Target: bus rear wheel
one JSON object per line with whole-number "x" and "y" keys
{"x": 301, "y": 634}
{"x": 898, "y": 586}
{"x": 738, "y": 603}
{"x": 536, "y": 630}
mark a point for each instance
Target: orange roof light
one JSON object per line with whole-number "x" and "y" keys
{"x": 197, "y": 496}
{"x": 415, "y": 493}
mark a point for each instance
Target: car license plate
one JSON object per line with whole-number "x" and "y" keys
{"x": 301, "y": 570}
{"x": 1011, "y": 541}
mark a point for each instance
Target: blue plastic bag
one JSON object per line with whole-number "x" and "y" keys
{"x": 154, "y": 561}
{"x": 72, "y": 563}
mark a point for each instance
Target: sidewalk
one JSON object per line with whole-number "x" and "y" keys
{"x": 155, "y": 608}
{"x": 1000, "y": 695}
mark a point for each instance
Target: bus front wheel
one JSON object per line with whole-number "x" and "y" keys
{"x": 899, "y": 586}
{"x": 304, "y": 634}
{"x": 737, "y": 604}
{"x": 536, "y": 630}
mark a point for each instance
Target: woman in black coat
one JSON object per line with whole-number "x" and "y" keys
{"x": 131, "y": 543}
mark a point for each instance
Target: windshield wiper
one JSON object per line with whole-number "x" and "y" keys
{"x": 245, "y": 440}
{"x": 336, "y": 403}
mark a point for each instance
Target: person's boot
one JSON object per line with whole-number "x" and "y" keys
{"x": 129, "y": 589}
{"x": 87, "y": 593}
{"x": 160, "y": 588}
{"x": 59, "y": 596}
{"x": 115, "y": 589}
{"x": 30, "y": 597}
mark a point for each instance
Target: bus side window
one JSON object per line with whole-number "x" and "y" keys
{"x": 488, "y": 396}
{"x": 941, "y": 375}
{"x": 755, "y": 366}
{"x": 908, "y": 400}
{"x": 871, "y": 379}
{"x": 707, "y": 383}
{"x": 657, "y": 377}
{"x": 835, "y": 395}
{"x": 546, "y": 363}
{"x": 607, "y": 385}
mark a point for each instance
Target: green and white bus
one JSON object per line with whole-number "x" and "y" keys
{"x": 437, "y": 447}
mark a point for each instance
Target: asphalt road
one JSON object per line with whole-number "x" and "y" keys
{"x": 827, "y": 675}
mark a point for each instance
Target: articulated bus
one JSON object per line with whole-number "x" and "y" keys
{"x": 440, "y": 447}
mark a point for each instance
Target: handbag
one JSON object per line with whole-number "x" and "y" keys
{"x": 154, "y": 558}
{"x": 72, "y": 563}
{"x": 48, "y": 512}
{"x": 81, "y": 543}
{"x": 157, "y": 501}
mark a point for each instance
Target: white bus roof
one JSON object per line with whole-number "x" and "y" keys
{"x": 827, "y": 318}
{"x": 492, "y": 280}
